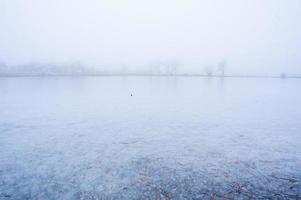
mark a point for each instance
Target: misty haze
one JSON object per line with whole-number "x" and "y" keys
{"x": 133, "y": 99}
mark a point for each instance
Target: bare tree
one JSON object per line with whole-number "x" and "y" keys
{"x": 124, "y": 69}
{"x": 167, "y": 67}
{"x": 208, "y": 70}
{"x": 3, "y": 68}
{"x": 76, "y": 67}
{"x": 222, "y": 67}
{"x": 172, "y": 67}
{"x": 155, "y": 68}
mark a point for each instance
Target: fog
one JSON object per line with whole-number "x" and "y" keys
{"x": 253, "y": 37}
{"x": 157, "y": 99}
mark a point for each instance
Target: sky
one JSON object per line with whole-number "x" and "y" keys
{"x": 252, "y": 36}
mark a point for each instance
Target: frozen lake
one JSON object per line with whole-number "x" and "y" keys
{"x": 175, "y": 138}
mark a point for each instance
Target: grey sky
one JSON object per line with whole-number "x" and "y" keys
{"x": 254, "y": 36}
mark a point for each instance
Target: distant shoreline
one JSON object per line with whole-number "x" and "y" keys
{"x": 144, "y": 75}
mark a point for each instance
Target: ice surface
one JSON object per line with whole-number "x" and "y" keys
{"x": 175, "y": 138}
